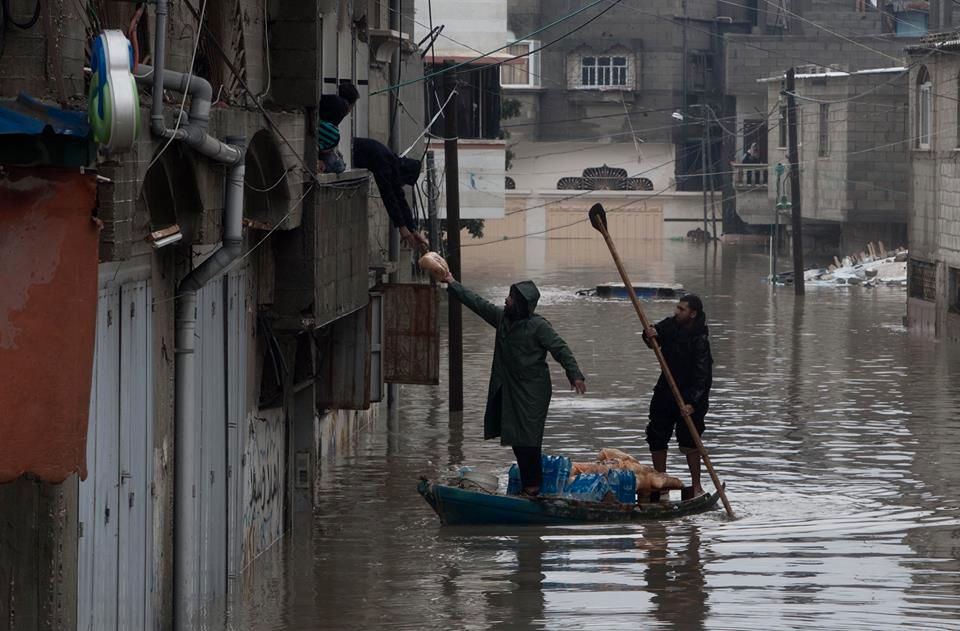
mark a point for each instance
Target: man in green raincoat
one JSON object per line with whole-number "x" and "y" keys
{"x": 519, "y": 393}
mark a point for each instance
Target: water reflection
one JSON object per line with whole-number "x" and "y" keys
{"x": 835, "y": 432}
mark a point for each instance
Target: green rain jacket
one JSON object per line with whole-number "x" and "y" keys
{"x": 519, "y": 393}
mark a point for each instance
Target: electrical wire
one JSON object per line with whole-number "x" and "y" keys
{"x": 447, "y": 69}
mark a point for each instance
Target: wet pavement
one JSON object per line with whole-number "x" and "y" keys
{"x": 835, "y": 431}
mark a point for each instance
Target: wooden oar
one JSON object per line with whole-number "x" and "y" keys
{"x": 598, "y": 218}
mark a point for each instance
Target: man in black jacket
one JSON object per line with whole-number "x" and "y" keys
{"x": 391, "y": 173}
{"x": 686, "y": 348}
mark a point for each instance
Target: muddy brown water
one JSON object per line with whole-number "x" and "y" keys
{"x": 836, "y": 432}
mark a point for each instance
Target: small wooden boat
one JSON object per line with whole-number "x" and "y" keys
{"x": 644, "y": 291}
{"x": 461, "y": 506}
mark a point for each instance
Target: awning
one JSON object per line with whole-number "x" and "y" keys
{"x": 48, "y": 310}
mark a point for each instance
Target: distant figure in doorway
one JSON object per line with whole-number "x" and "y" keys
{"x": 751, "y": 155}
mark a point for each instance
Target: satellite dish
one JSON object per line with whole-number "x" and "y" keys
{"x": 113, "y": 104}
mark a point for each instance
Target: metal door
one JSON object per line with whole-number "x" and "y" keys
{"x": 211, "y": 487}
{"x": 97, "y": 575}
{"x": 115, "y": 577}
{"x": 134, "y": 581}
{"x": 238, "y": 341}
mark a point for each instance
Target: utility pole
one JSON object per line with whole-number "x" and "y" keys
{"x": 708, "y": 156}
{"x": 451, "y": 133}
{"x": 681, "y": 165}
{"x": 393, "y": 238}
{"x": 793, "y": 156}
{"x": 434, "y": 223}
{"x": 703, "y": 175}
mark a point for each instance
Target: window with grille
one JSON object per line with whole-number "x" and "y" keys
{"x": 922, "y": 280}
{"x": 600, "y": 72}
{"x": 522, "y": 72}
{"x": 955, "y": 290}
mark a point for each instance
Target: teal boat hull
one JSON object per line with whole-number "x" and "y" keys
{"x": 456, "y": 506}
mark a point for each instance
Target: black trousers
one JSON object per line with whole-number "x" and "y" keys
{"x": 531, "y": 471}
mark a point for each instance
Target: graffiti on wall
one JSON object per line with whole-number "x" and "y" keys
{"x": 263, "y": 487}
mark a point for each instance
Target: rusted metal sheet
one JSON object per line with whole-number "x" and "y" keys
{"x": 411, "y": 334}
{"x": 48, "y": 310}
{"x": 343, "y": 357}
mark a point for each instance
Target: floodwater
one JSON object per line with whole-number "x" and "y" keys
{"x": 835, "y": 431}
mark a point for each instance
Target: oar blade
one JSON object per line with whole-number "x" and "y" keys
{"x": 598, "y": 217}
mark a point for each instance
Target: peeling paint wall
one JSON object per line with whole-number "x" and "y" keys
{"x": 264, "y": 472}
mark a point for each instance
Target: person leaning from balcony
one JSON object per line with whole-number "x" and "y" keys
{"x": 518, "y": 396}
{"x": 332, "y": 109}
{"x": 391, "y": 172}
{"x": 751, "y": 155}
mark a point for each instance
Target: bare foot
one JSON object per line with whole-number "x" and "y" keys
{"x": 698, "y": 491}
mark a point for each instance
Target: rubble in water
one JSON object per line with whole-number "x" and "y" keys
{"x": 866, "y": 269}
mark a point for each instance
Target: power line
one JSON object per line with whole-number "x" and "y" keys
{"x": 482, "y": 56}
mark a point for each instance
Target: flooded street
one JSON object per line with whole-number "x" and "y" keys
{"x": 835, "y": 432}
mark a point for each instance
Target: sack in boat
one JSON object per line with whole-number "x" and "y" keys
{"x": 435, "y": 265}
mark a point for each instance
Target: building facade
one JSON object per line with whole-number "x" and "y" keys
{"x": 933, "y": 270}
{"x": 237, "y": 302}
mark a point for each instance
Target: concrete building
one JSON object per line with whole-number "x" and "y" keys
{"x": 618, "y": 101}
{"x": 933, "y": 300}
{"x": 229, "y": 334}
{"x": 466, "y": 36}
{"x": 823, "y": 35}
{"x": 853, "y": 159}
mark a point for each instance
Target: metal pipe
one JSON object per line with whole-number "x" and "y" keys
{"x": 157, "y": 124}
{"x": 194, "y": 133}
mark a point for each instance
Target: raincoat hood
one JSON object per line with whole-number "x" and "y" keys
{"x": 530, "y": 293}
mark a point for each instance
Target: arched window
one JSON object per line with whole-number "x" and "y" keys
{"x": 924, "y": 105}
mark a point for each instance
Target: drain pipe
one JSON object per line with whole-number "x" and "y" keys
{"x": 193, "y": 132}
{"x": 187, "y": 456}
{"x": 157, "y": 125}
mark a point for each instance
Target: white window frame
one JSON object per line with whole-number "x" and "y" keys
{"x": 532, "y": 65}
{"x": 924, "y": 114}
{"x": 604, "y": 76}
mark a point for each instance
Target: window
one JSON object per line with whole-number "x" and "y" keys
{"x": 523, "y": 71}
{"x": 601, "y": 72}
{"x": 954, "y": 290}
{"x": 823, "y": 142}
{"x": 924, "y": 104}
{"x": 478, "y": 108}
{"x": 922, "y": 280}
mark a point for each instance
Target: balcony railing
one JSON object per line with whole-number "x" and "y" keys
{"x": 750, "y": 177}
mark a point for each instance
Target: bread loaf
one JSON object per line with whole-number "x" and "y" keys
{"x": 435, "y": 265}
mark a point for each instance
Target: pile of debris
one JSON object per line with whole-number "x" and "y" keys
{"x": 876, "y": 266}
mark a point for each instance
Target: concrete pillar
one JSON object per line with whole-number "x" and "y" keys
{"x": 536, "y": 244}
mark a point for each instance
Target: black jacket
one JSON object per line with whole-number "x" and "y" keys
{"x": 687, "y": 351}
{"x": 384, "y": 164}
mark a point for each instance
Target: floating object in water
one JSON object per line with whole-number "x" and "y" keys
{"x": 648, "y": 291}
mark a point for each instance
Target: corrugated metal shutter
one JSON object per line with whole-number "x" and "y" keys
{"x": 115, "y": 577}
{"x": 411, "y": 334}
{"x": 212, "y": 479}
